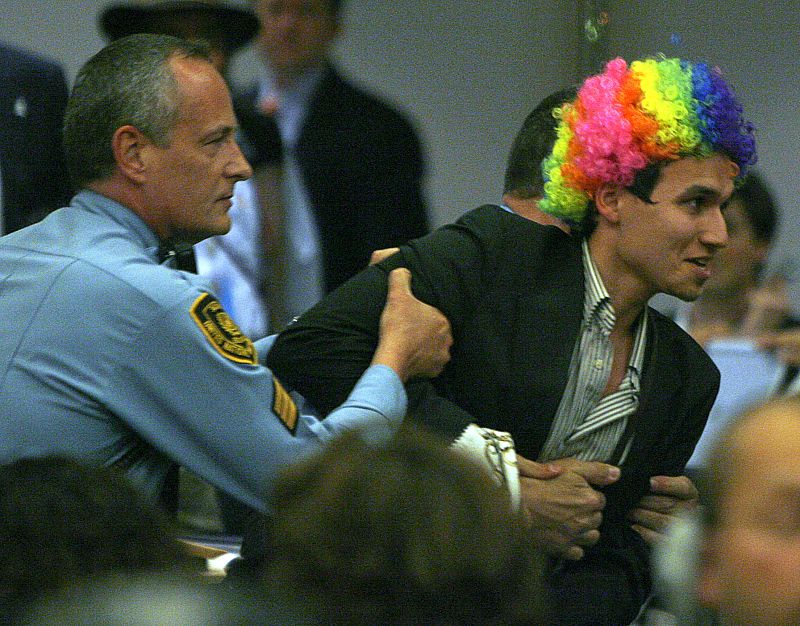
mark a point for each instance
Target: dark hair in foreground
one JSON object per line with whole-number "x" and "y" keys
{"x": 61, "y": 521}
{"x": 127, "y": 82}
{"x": 408, "y": 533}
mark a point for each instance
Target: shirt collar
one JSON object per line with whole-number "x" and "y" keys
{"x": 597, "y": 309}
{"x": 597, "y": 306}
{"x": 637, "y": 355}
{"x": 103, "y": 205}
{"x": 293, "y": 101}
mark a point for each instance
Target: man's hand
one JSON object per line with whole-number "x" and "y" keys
{"x": 415, "y": 338}
{"x": 786, "y": 344}
{"x": 562, "y": 507}
{"x": 379, "y": 255}
{"x": 669, "y": 496}
{"x": 768, "y": 306}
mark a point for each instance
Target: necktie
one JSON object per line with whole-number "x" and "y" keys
{"x": 269, "y": 182}
{"x": 181, "y": 257}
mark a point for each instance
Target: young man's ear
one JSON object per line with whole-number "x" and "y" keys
{"x": 129, "y": 145}
{"x": 607, "y": 199}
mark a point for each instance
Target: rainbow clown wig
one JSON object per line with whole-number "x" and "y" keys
{"x": 630, "y": 117}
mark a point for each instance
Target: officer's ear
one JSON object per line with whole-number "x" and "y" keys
{"x": 130, "y": 147}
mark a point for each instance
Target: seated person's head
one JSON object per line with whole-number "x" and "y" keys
{"x": 629, "y": 122}
{"x": 750, "y": 557}
{"x": 60, "y": 521}
{"x": 409, "y": 533}
{"x": 524, "y": 177}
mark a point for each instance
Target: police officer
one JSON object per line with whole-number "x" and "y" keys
{"x": 111, "y": 357}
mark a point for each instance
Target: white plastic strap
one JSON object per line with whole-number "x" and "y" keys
{"x": 495, "y": 451}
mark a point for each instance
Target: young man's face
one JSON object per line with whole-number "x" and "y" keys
{"x": 667, "y": 246}
{"x": 295, "y": 34}
{"x": 750, "y": 570}
{"x": 190, "y": 181}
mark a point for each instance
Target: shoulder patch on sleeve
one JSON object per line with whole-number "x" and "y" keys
{"x": 284, "y": 407}
{"x": 221, "y": 331}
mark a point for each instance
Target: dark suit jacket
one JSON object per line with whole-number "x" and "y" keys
{"x": 33, "y": 95}
{"x": 362, "y": 166}
{"x": 513, "y": 292}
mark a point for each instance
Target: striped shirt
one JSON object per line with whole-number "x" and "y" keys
{"x": 588, "y": 426}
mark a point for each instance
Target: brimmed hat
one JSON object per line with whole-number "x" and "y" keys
{"x": 232, "y": 26}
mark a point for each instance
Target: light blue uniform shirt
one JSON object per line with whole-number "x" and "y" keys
{"x": 100, "y": 359}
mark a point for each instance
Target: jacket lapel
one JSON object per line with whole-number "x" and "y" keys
{"x": 546, "y": 323}
{"x": 660, "y": 381}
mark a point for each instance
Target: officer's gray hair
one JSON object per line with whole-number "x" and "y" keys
{"x": 127, "y": 82}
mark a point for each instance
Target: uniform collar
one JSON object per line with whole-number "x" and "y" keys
{"x": 133, "y": 224}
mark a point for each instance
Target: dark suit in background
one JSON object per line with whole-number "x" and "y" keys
{"x": 33, "y": 95}
{"x": 362, "y": 166}
{"x": 513, "y": 292}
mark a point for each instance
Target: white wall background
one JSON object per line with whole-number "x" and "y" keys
{"x": 468, "y": 71}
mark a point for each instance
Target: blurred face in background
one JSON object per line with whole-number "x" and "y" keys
{"x": 750, "y": 570}
{"x": 736, "y": 266}
{"x": 295, "y": 34}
